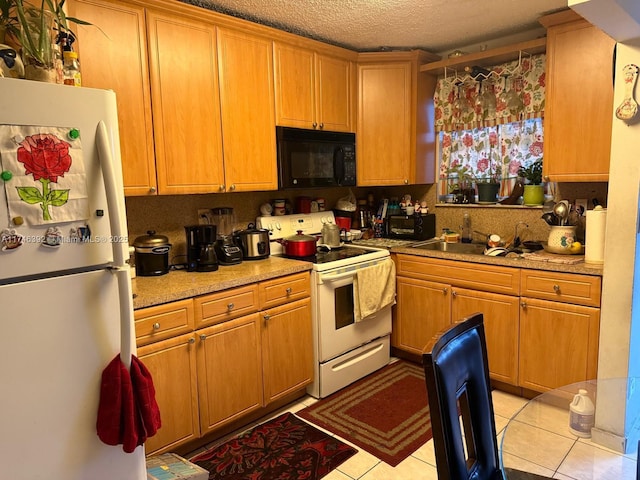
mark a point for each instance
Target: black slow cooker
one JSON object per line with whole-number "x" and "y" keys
{"x": 152, "y": 254}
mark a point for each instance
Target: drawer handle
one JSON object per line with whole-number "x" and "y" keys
{"x": 192, "y": 341}
{"x": 266, "y": 317}
{"x": 556, "y": 288}
{"x": 203, "y": 337}
{"x": 230, "y": 306}
{"x": 289, "y": 291}
{"x": 156, "y": 326}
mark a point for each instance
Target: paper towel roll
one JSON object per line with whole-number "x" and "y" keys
{"x": 594, "y": 235}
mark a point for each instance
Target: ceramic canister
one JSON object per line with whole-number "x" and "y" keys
{"x": 561, "y": 237}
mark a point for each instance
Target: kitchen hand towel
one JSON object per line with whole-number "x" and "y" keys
{"x": 373, "y": 289}
{"x": 145, "y": 396}
{"x": 116, "y": 411}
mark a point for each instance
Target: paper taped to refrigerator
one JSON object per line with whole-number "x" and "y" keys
{"x": 48, "y": 183}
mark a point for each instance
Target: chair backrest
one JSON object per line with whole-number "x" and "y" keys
{"x": 459, "y": 392}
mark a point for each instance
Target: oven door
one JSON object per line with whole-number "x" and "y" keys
{"x": 338, "y": 332}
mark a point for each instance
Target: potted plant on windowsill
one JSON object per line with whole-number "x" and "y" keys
{"x": 533, "y": 189}
{"x": 460, "y": 183}
{"x": 488, "y": 181}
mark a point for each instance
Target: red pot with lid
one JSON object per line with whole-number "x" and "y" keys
{"x": 299, "y": 245}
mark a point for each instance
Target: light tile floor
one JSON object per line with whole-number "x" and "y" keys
{"x": 562, "y": 461}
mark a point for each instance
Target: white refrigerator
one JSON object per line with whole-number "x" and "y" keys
{"x": 65, "y": 291}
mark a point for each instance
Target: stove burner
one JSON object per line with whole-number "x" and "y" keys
{"x": 332, "y": 255}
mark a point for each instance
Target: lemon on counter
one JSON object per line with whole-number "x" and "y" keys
{"x": 575, "y": 247}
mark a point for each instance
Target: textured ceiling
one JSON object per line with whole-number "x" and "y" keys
{"x": 369, "y": 25}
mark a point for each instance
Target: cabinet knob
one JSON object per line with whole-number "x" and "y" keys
{"x": 152, "y": 189}
{"x": 230, "y": 306}
{"x": 203, "y": 337}
{"x": 322, "y": 125}
{"x": 523, "y": 304}
{"x": 454, "y": 293}
{"x": 314, "y": 124}
{"x": 288, "y": 291}
{"x": 156, "y": 326}
{"x": 445, "y": 290}
{"x": 556, "y": 288}
{"x": 222, "y": 187}
{"x": 266, "y": 316}
{"x": 192, "y": 341}
{"x": 232, "y": 187}
{"x": 546, "y": 178}
{"x": 406, "y": 182}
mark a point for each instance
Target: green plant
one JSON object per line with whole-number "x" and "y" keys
{"x": 532, "y": 173}
{"x": 460, "y": 177}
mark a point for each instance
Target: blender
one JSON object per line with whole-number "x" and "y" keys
{"x": 227, "y": 251}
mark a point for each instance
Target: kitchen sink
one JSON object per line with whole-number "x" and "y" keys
{"x": 470, "y": 248}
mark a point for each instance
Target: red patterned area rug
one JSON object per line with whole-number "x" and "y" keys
{"x": 385, "y": 413}
{"x": 284, "y": 448}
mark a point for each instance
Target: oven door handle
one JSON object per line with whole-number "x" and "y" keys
{"x": 335, "y": 277}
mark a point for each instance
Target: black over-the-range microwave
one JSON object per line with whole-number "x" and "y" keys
{"x": 315, "y": 158}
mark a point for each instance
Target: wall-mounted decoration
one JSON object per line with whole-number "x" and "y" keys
{"x": 48, "y": 183}
{"x": 628, "y": 109}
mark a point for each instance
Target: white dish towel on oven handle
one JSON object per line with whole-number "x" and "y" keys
{"x": 374, "y": 288}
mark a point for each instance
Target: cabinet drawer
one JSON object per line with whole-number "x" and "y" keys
{"x": 163, "y": 321}
{"x": 488, "y": 278}
{"x": 222, "y": 306}
{"x": 283, "y": 290}
{"x": 562, "y": 287}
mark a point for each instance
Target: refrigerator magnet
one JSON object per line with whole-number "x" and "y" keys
{"x": 10, "y": 240}
{"x": 52, "y": 238}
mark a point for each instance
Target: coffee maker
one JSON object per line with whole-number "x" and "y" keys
{"x": 201, "y": 253}
{"x": 227, "y": 251}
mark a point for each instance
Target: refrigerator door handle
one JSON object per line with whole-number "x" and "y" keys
{"x": 120, "y": 269}
{"x": 106, "y": 165}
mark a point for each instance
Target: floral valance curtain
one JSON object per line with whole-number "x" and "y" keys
{"x": 509, "y": 92}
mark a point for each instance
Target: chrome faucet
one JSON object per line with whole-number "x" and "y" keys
{"x": 516, "y": 239}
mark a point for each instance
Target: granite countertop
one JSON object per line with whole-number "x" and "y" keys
{"x": 180, "y": 284}
{"x": 516, "y": 262}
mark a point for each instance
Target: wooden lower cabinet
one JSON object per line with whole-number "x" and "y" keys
{"x": 172, "y": 364}
{"x": 286, "y": 349}
{"x": 229, "y": 359}
{"x": 423, "y": 309}
{"x": 501, "y": 313}
{"x": 558, "y": 343}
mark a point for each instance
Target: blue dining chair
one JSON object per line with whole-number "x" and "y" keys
{"x": 461, "y": 407}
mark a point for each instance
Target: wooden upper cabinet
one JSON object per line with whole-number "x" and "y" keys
{"x": 113, "y": 52}
{"x": 396, "y": 136}
{"x": 248, "y": 117}
{"x": 186, "y": 104}
{"x": 579, "y": 100}
{"x": 313, "y": 90}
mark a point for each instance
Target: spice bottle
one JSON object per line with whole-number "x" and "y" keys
{"x": 71, "y": 69}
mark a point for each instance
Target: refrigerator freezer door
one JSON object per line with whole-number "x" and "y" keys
{"x": 49, "y": 105}
{"x": 58, "y": 335}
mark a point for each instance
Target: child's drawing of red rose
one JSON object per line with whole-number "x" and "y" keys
{"x": 46, "y": 157}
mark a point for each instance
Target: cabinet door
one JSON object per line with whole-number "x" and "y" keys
{"x": 294, "y": 86}
{"x": 384, "y": 124}
{"x": 248, "y": 118}
{"x": 501, "y": 325}
{"x": 334, "y": 92}
{"x": 229, "y": 362}
{"x": 172, "y": 364}
{"x": 579, "y": 103}
{"x": 558, "y": 344}
{"x": 186, "y": 105}
{"x": 423, "y": 310}
{"x": 287, "y": 349}
{"x": 114, "y": 57}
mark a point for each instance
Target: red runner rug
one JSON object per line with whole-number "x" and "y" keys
{"x": 284, "y": 448}
{"x": 385, "y": 413}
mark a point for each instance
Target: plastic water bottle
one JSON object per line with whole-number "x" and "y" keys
{"x": 581, "y": 415}
{"x": 466, "y": 233}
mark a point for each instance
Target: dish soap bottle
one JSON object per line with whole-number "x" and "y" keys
{"x": 466, "y": 234}
{"x": 581, "y": 415}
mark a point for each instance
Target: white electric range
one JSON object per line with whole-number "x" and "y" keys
{"x": 344, "y": 350}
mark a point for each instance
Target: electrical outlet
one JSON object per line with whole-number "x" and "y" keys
{"x": 204, "y": 216}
